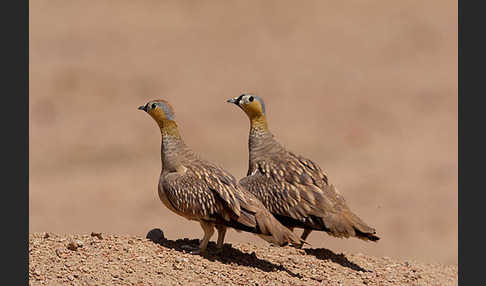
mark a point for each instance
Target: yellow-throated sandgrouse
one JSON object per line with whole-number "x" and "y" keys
{"x": 199, "y": 190}
{"x": 294, "y": 189}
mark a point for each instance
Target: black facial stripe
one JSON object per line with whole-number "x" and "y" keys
{"x": 238, "y": 99}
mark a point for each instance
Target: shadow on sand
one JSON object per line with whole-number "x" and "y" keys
{"x": 231, "y": 255}
{"x": 326, "y": 254}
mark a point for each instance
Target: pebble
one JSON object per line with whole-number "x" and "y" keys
{"x": 155, "y": 235}
{"x": 75, "y": 244}
{"x": 97, "y": 234}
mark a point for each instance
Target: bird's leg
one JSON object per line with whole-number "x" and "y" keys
{"x": 304, "y": 236}
{"x": 208, "y": 233}
{"x": 221, "y": 233}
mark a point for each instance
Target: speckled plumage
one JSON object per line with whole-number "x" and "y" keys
{"x": 199, "y": 190}
{"x": 293, "y": 188}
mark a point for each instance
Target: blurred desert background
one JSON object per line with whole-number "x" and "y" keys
{"x": 368, "y": 90}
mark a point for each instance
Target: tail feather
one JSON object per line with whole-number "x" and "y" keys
{"x": 261, "y": 222}
{"x": 362, "y": 230}
{"x": 274, "y": 231}
{"x": 256, "y": 217}
{"x": 346, "y": 224}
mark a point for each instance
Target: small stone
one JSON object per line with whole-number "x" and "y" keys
{"x": 46, "y": 235}
{"x": 72, "y": 246}
{"x": 97, "y": 234}
{"x": 155, "y": 235}
{"x": 75, "y": 244}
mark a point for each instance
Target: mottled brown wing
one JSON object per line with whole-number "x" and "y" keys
{"x": 202, "y": 192}
{"x": 292, "y": 186}
{"x": 222, "y": 182}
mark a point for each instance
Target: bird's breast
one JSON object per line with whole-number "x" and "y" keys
{"x": 165, "y": 200}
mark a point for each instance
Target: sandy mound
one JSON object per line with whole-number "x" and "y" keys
{"x": 101, "y": 259}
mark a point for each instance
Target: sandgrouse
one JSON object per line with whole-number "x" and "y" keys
{"x": 199, "y": 190}
{"x": 294, "y": 189}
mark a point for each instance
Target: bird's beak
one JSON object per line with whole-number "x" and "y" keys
{"x": 233, "y": 100}
{"x": 143, "y": 107}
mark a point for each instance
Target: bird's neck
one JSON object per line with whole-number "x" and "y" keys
{"x": 259, "y": 123}
{"x": 261, "y": 141}
{"x": 173, "y": 148}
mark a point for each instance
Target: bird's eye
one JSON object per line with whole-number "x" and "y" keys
{"x": 250, "y": 99}
{"x": 153, "y": 105}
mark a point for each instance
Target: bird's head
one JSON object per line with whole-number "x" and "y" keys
{"x": 160, "y": 110}
{"x": 251, "y": 104}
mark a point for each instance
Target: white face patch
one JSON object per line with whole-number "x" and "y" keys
{"x": 246, "y": 98}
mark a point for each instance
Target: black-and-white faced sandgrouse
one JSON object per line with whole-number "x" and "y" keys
{"x": 199, "y": 190}
{"x": 294, "y": 189}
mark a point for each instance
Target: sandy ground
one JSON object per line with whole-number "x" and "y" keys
{"x": 129, "y": 260}
{"x": 366, "y": 89}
